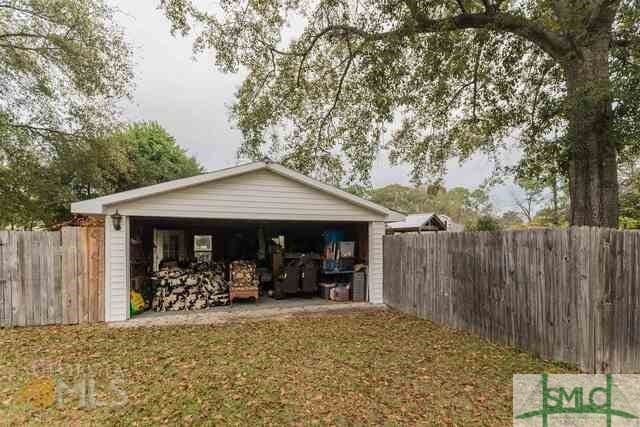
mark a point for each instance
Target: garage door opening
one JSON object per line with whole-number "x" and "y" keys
{"x": 180, "y": 265}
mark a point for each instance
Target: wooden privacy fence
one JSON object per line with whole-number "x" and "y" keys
{"x": 52, "y": 277}
{"x": 571, "y": 295}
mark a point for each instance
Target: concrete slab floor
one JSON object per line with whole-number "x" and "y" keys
{"x": 266, "y": 309}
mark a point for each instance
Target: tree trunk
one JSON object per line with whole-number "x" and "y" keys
{"x": 593, "y": 169}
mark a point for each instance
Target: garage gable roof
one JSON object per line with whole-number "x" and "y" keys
{"x": 98, "y": 205}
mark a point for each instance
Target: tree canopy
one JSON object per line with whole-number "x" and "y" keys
{"x": 63, "y": 64}
{"x": 331, "y": 83}
{"x": 38, "y": 191}
{"x": 152, "y": 156}
{"x": 462, "y": 205}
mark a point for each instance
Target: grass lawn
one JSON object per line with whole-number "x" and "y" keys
{"x": 373, "y": 368}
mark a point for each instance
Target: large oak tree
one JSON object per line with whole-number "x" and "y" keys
{"x": 64, "y": 64}
{"x": 329, "y": 78}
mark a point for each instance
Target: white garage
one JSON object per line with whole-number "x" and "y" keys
{"x": 262, "y": 212}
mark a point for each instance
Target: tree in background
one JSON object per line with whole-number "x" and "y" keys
{"x": 630, "y": 195}
{"x": 460, "y": 77}
{"x": 544, "y": 200}
{"x": 542, "y": 174}
{"x": 510, "y": 220}
{"x": 460, "y": 204}
{"x": 484, "y": 223}
{"x": 152, "y": 156}
{"x": 63, "y": 66}
{"x": 530, "y": 199}
{"x": 38, "y": 192}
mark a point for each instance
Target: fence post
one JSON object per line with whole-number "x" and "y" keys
{"x": 611, "y": 243}
{"x": 69, "y": 275}
{"x": 5, "y": 284}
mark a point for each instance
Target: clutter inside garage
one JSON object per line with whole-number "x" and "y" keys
{"x": 189, "y": 264}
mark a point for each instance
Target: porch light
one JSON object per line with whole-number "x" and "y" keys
{"x": 117, "y": 220}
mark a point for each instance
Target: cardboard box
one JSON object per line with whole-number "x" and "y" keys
{"x": 340, "y": 293}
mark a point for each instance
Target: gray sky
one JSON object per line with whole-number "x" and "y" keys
{"x": 190, "y": 98}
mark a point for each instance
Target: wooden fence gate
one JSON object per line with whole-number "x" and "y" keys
{"x": 52, "y": 277}
{"x": 571, "y": 295}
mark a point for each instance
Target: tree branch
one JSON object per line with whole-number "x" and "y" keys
{"x": 624, "y": 41}
{"x": 39, "y": 49}
{"x": 29, "y": 35}
{"x": 338, "y": 92}
{"x": 28, "y": 12}
{"x": 309, "y": 48}
{"x": 461, "y": 6}
{"x": 455, "y": 96}
{"x": 476, "y": 67}
{"x": 549, "y": 41}
{"x": 602, "y": 13}
{"x": 39, "y": 129}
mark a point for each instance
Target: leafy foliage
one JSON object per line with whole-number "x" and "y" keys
{"x": 630, "y": 195}
{"x": 152, "y": 156}
{"x": 38, "y": 191}
{"x": 460, "y": 204}
{"x": 431, "y": 80}
{"x": 510, "y": 220}
{"x": 549, "y": 217}
{"x": 63, "y": 66}
{"x": 63, "y": 63}
{"x": 484, "y": 223}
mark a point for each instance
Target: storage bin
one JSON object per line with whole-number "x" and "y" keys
{"x": 324, "y": 289}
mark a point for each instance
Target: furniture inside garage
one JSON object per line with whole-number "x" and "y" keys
{"x": 195, "y": 264}
{"x": 252, "y": 232}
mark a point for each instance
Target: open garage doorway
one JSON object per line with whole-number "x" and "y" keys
{"x": 179, "y": 264}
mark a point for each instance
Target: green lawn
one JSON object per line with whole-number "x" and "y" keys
{"x": 374, "y": 368}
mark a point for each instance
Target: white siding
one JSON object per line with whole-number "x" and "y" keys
{"x": 258, "y": 195}
{"x": 374, "y": 274}
{"x": 116, "y": 271}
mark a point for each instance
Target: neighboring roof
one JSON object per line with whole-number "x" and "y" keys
{"x": 417, "y": 221}
{"x": 451, "y": 224}
{"x": 97, "y": 206}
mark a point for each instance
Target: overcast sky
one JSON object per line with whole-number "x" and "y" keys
{"x": 190, "y": 99}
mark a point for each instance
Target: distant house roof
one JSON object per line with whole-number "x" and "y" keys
{"x": 418, "y": 222}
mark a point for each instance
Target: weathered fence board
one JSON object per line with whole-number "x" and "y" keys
{"x": 49, "y": 277}
{"x": 571, "y": 295}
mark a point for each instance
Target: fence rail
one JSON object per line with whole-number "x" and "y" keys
{"x": 52, "y": 277}
{"x": 571, "y": 295}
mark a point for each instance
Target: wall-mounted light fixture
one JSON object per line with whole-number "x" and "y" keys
{"x": 116, "y": 218}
